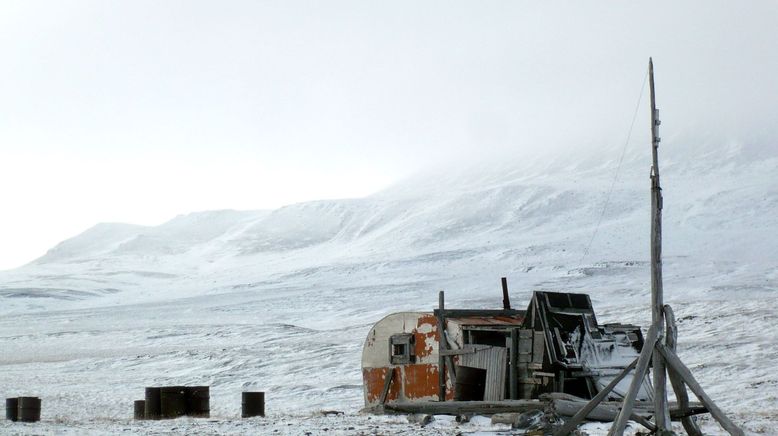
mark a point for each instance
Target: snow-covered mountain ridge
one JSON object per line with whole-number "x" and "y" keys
{"x": 515, "y": 213}
{"x": 281, "y": 300}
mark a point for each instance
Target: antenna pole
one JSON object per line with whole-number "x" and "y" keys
{"x": 661, "y": 354}
{"x": 657, "y": 297}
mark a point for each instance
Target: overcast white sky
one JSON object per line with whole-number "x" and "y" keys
{"x": 136, "y": 111}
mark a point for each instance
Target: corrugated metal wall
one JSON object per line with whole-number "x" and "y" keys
{"x": 494, "y": 361}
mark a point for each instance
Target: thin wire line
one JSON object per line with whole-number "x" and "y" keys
{"x": 615, "y": 178}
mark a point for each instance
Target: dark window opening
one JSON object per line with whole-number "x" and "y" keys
{"x": 486, "y": 337}
{"x": 401, "y": 349}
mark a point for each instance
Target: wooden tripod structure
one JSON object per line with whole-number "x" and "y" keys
{"x": 663, "y": 327}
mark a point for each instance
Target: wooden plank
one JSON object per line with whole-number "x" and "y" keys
{"x": 647, "y": 408}
{"x": 657, "y": 293}
{"x": 691, "y": 409}
{"x": 467, "y": 349}
{"x": 617, "y": 429}
{"x": 675, "y": 363}
{"x": 464, "y": 313}
{"x": 441, "y": 347}
{"x": 538, "y": 345}
{"x": 525, "y": 346}
{"x": 573, "y": 423}
{"x": 600, "y": 412}
{"x": 387, "y": 385}
{"x": 493, "y": 360}
{"x": 513, "y": 380}
{"x": 468, "y": 407}
{"x": 671, "y": 340}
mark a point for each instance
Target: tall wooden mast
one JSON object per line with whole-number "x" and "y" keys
{"x": 657, "y": 297}
{"x": 656, "y": 348}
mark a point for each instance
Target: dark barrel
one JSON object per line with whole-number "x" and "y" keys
{"x": 198, "y": 401}
{"x": 470, "y": 384}
{"x": 29, "y": 409}
{"x": 12, "y": 409}
{"x": 253, "y": 404}
{"x": 152, "y": 404}
{"x": 172, "y": 401}
{"x": 140, "y": 409}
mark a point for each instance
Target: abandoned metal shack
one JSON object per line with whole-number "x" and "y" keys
{"x": 490, "y": 359}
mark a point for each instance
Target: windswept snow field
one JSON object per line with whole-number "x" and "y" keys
{"x": 281, "y": 300}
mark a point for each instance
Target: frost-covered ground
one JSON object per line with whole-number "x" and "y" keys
{"x": 281, "y": 300}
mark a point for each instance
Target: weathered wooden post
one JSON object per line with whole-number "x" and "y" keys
{"x": 514, "y": 363}
{"x": 657, "y": 293}
{"x": 443, "y": 351}
{"x": 252, "y": 404}
{"x": 441, "y": 358}
{"x": 679, "y": 387}
{"x": 662, "y": 355}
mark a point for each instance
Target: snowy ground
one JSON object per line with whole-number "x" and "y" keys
{"x": 281, "y": 301}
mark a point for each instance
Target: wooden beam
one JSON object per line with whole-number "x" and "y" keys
{"x": 493, "y": 407}
{"x": 441, "y": 347}
{"x": 617, "y": 429}
{"x": 601, "y": 412}
{"x": 463, "y": 313}
{"x": 513, "y": 379}
{"x": 387, "y": 385}
{"x": 657, "y": 293}
{"x": 671, "y": 340}
{"x": 468, "y": 407}
{"x": 675, "y": 363}
{"x": 467, "y": 349}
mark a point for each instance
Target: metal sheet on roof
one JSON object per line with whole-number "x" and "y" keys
{"x": 490, "y": 320}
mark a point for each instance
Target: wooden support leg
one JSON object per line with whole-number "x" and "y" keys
{"x": 442, "y": 346}
{"x": 675, "y": 363}
{"x": 387, "y": 385}
{"x": 617, "y": 429}
{"x": 513, "y": 379}
{"x": 573, "y": 422}
{"x": 602, "y": 412}
{"x": 671, "y": 340}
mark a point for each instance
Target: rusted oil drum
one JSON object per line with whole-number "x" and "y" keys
{"x": 29, "y": 409}
{"x": 198, "y": 401}
{"x": 152, "y": 404}
{"x": 12, "y": 409}
{"x": 470, "y": 384}
{"x": 253, "y": 404}
{"x": 140, "y": 409}
{"x": 172, "y": 401}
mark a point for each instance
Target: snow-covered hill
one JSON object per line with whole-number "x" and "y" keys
{"x": 280, "y": 300}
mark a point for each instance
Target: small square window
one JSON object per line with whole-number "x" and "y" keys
{"x": 401, "y": 348}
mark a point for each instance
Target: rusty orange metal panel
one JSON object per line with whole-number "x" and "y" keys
{"x": 420, "y": 381}
{"x": 374, "y": 384}
{"x": 426, "y": 327}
